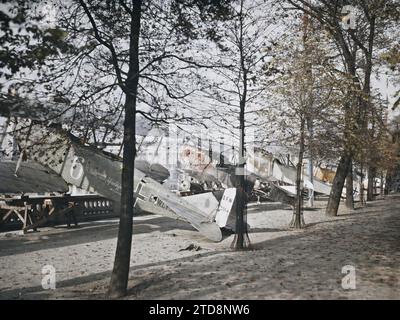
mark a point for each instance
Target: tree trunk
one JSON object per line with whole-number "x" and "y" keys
{"x": 362, "y": 199}
{"x": 337, "y": 185}
{"x": 388, "y": 181}
{"x": 345, "y": 160}
{"x": 241, "y": 225}
{"x": 297, "y": 221}
{"x": 367, "y": 103}
{"x": 310, "y": 162}
{"x": 241, "y": 237}
{"x": 349, "y": 188}
{"x": 311, "y": 175}
{"x": 241, "y": 240}
{"x": 370, "y": 187}
{"x": 120, "y": 273}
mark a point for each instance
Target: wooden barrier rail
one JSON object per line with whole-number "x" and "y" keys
{"x": 32, "y": 212}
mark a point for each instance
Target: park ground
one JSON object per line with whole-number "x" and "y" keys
{"x": 170, "y": 260}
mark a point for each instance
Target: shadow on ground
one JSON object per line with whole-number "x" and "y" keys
{"x": 304, "y": 265}
{"x": 60, "y": 237}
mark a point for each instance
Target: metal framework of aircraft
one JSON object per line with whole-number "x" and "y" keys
{"x": 96, "y": 171}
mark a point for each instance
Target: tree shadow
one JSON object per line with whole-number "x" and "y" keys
{"x": 299, "y": 265}
{"x": 262, "y": 230}
{"x": 89, "y": 232}
{"x": 37, "y": 292}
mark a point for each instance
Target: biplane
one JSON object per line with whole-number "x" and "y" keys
{"x": 197, "y": 189}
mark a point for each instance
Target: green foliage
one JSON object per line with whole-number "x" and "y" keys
{"x": 24, "y": 42}
{"x": 208, "y": 11}
{"x": 392, "y": 57}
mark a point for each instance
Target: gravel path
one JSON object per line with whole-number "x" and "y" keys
{"x": 282, "y": 264}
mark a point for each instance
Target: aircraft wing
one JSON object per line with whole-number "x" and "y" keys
{"x": 154, "y": 196}
{"x": 182, "y": 208}
{"x": 288, "y": 175}
{"x": 30, "y": 178}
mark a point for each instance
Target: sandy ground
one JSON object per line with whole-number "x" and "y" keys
{"x": 282, "y": 264}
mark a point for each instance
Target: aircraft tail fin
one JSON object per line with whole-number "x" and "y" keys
{"x": 226, "y": 207}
